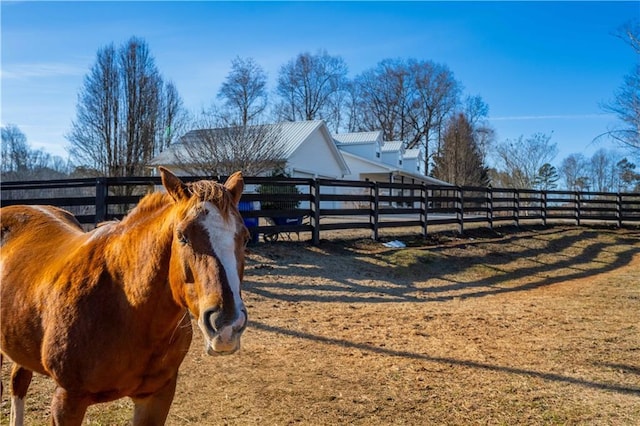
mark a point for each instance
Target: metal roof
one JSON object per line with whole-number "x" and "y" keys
{"x": 358, "y": 137}
{"x": 411, "y": 153}
{"x": 292, "y": 134}
{"x": 390, "y": 146}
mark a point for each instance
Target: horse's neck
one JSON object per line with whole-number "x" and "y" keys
{"x": 140, "y": 251}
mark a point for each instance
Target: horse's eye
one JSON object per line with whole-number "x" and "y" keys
{"x": 182, "y": 239}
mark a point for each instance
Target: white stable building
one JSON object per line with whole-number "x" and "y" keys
{"x": 311, "y": 151}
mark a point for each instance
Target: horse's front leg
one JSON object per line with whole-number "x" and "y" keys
{"x": 68, "y": 409}
{"x": 20, "y": 381}
{"x": 154, "y": 409}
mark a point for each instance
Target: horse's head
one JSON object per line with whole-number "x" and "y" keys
{"x": 207, "y": 257}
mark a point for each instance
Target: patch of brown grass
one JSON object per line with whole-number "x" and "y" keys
{"x": 539, "y": 326}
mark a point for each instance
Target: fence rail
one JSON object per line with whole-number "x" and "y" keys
{"x": 330, "y": 205}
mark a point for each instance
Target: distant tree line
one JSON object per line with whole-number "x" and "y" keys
{"x": 127, "y": 114}
{"x": 19, "y": 161}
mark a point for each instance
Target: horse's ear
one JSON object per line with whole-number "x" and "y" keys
{"x": 174, "y": 186}
{"x": 235, "y": 186}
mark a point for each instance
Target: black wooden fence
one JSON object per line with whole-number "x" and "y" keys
{"x": 318, "y": 205}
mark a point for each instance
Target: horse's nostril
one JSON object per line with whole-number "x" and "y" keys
{"x": 211, "y": 319}
{"x": 245, "y": 321}
{"x": 215, "y": 320}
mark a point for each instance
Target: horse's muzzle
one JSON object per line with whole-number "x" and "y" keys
{"x": 221, "y": 337}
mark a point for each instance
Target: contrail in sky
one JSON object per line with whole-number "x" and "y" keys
{"x": 550, "y": 117}
{"x": 41, "y": 70}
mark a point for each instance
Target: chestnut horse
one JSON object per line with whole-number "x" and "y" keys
{"x": 107, "y": 313}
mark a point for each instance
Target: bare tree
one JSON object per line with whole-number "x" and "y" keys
{"x": 173, "y": 118}
{"x": 436, "y": 95}
{"x": 220, "y": 151}
{"x": 630, "y": 34}
{"x": 460, "y": 160}
{"x": 603, "y": 171}
{"x": 21, "y": 162}
{"x": 309, "y": 87}
{"x": 15, "y": 150}
{"x": 142, "y": 86}
{"x": 574, "y": 171}
{"x": 382, "y": 100}
{"x": 125, "y": 114}
{"x": 408, "y": 100}
{"x": 626, "y": 101}
{"x": 335, "y": 112}
{"x": 95, "y": 136}
{"x": 244, "y": 91}
{"x": 476, "y": 110}
{"x": 521, "y": 159}
{"x": 351, "y": 108}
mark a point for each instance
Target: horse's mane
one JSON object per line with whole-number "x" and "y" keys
{"x": 149, "y": 204}
{"x": 202, "y": 190}
{"x": 206, "y": 190}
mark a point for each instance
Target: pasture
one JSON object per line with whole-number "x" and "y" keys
{"x": 530, "y": 326}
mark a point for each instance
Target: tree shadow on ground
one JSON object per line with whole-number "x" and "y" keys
{"x": 630, "y": 390}
{"x": 550, "y": 256}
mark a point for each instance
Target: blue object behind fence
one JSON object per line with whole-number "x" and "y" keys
{"x": 250, "y": 222}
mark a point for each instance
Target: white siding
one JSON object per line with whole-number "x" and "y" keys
{"x": 362, "y": 150}
{"x": 392, "y": 158}
{"x": 315, "y": 154}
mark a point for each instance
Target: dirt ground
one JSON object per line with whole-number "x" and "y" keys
{"x": 529, "y": 326}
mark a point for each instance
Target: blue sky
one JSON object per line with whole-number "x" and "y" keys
{"x": 540, "y": 66}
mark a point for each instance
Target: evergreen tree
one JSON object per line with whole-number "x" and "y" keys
{"x": 546, "y": 178}
{"x": 627, "y": 176}
{"x": 460, "y": 158}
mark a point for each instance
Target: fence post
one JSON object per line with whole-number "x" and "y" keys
{"x": 577, "y": 208}
{"x": 101, "y": 200}
{"x": 315, "y": 212}
{"x": 544, "y": 208}
{"x": 375, "y": 215}
{"x": 619, "y": 209}
{"x": 460, "y": 209}
{"x": 424, "y": 205}
{"x": 516, "y": 205}
{"x": 490, "y": 207}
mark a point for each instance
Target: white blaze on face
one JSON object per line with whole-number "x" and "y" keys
{"x": 222, "y": 238}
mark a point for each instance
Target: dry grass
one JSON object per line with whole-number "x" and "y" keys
{"x": 539, "y": 326}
